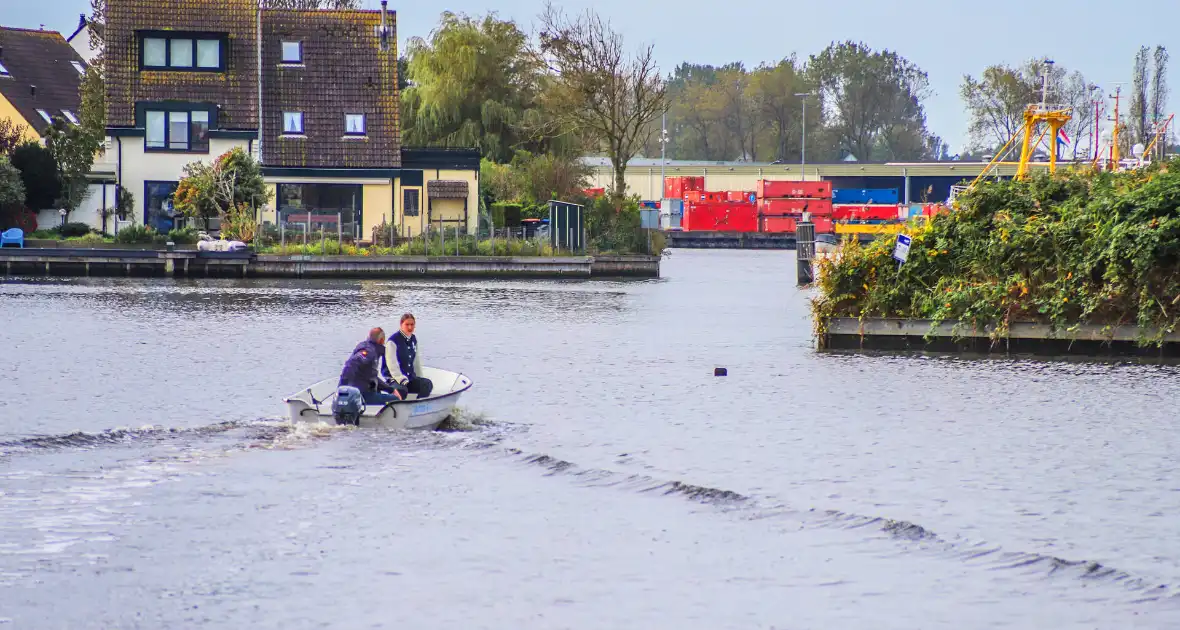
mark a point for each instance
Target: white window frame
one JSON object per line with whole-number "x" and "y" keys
{"x": 283, "y": 48}
{"x": 69, "y": 116}
{"x": 78, "y": 67}
{"x": 292, "y": 120}
{"x": 348, "y": 118}
{"x": 3, "y": 70}
{"x": 46, "y": 116}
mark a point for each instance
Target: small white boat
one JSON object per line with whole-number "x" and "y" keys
{"x": 314, "y": 404}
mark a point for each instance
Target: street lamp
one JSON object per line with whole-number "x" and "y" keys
{"x": 803, "y": 134}
{"x": 663, "y": 155}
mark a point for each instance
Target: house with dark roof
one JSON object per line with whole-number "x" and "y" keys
{"x": 83, "y": 39}
{"x": 39, "y": 78}
{"x": 312, "y": 93}
{"x": 40, "y": 74}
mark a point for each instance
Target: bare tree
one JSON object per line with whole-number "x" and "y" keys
{"x": 599, "y": 90}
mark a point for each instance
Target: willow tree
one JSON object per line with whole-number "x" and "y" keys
{"x": 601, "y": 92}
{"x": 474, "y": 83}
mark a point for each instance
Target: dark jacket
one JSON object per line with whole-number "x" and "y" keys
{"x": 361, "y": 368}
{"x": 402, "y": 363}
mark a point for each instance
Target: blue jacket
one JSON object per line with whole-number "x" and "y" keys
{"x": 361, "y": 368}
{"x": 401, "y": 353}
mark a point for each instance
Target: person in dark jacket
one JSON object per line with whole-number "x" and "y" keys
{"x": 362, "y": 370}
{"x": 403, "y": 365}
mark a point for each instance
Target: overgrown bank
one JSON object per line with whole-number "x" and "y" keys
{"x": 1077, "y": 248}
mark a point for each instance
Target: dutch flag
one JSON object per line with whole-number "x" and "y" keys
{"x": 1062, "y": 139}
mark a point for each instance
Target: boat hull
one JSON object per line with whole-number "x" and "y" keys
{"x": 314, "y": 404}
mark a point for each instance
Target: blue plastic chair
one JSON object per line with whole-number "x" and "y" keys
{"x": 16, "y": 236}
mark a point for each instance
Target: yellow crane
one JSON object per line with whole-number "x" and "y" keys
{"x": 1159, "y": 133}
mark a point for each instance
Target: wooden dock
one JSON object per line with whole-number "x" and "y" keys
{"x": 193, "y": 264}
{"x": 920, "y": 335}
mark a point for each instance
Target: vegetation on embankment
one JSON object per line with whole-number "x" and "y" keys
{"x": 467, "y": 246}
{"x": 1075, "y": 248}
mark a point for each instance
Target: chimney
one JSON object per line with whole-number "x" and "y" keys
{"x": 384, "y": 25}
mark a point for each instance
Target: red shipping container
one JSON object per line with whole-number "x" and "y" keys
{"x": 865, "y": 213}
{"x": 778, "y": 225}
{"x": 594, "y": 192}
{"x": 739, "y": 195}
{"x": 823, "y": 225}
{"x": 795, "y": 207}
{"x": 708, "y": 197}
{"x": 773, "y": 189}
{"x": 675, "y": 187}
{"x": 720, "y": 217}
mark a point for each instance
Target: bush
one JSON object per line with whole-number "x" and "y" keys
{"x": 71, "y": 230}
{"x": 381, "y": 234}
{"x": 138, "y": 235}
{"x": 183, "y": 236}
{"x": 1074, "y": 248}
{"x": 88, "y": 239}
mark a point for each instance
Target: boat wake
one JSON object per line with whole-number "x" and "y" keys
{"x": 475, "y": 432}
{"x": 915, "y": 537}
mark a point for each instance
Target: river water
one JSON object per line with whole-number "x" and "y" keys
{"x": 602, "y": 477}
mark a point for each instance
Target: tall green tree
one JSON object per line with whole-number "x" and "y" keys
{"x": 1149, "y": 95}
{"x": 474, "y": 82}
{"x": 39, "y": 174}
{"x": 872, "y": 101}
{"x": 12, "y": 135}
{"x": 774, "y": 90}
{"x": 12, "y": 187}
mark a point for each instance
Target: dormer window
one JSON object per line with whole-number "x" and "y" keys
{"x": 3, "y": 71}
{"x": 293, "y": 123}
{"x": 193, "y": 52}
{"x": 78, "y": 67}
{"x": 354, "y": 124}
{"x": 44, "y": 114}
{"x": 292, "y": 52}
{"x": 69, "y": 116}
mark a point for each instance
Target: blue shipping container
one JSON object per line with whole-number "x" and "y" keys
{"x": 864, "y": 195}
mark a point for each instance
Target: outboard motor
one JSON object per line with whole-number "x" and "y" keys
{"x": 348, "y": 406}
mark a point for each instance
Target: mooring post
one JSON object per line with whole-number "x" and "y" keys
{"x": 805, "y": 249}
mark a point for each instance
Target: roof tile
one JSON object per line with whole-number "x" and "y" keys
{"x": 344, "y": 71}
{"x": 39, "y": 59}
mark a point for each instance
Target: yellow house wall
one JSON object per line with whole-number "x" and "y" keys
{"x": 377, "y": 207}
{"x": 9, "y": 112}
{"x": 453, "y": 208}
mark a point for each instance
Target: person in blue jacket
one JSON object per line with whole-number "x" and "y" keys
{"x": 362, "y": 370}
{"x": 403, "y": 365}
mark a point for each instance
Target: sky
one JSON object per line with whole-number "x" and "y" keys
{"x": 946, "y": 38}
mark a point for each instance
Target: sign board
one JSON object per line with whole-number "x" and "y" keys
{"x": 901, "y": 250}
